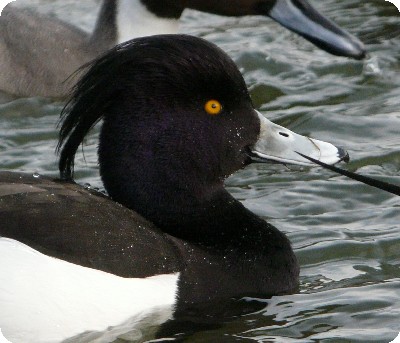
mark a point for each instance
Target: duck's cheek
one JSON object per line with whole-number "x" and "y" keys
{"x": 276, "y": 143}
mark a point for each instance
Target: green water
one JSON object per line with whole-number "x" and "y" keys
{"x": 346, "y": 235}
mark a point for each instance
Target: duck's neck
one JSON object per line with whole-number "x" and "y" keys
{"x": 122, "y": 20}
{"x": 214, "y": 232}
{"x": 105, "y": 33}
{"x": 172, "y": 183}
{"x": 186, "y": 208}
{"x": 135, "y": 19}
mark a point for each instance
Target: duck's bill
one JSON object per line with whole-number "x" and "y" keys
{"x": 279, "y": 144}
{"x": 300, "y": 17}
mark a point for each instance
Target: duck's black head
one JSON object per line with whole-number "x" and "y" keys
{"x": 177, "y": 120}
{"x": 177, "y": 117}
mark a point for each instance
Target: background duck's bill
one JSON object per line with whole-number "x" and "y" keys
{"x": 279, "y": 144}
{"x": 300, "y": 17}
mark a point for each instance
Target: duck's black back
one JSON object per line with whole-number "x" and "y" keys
{"x": 84, "y": 227}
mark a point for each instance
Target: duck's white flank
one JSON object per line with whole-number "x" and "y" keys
{"x": 3, "y": 339}
{"x": 44, "y": 299}
{"x": 135, "y": 20}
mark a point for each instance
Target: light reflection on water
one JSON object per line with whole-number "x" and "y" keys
{"x": 346, "y": 235}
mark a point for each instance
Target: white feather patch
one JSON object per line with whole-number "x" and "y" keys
{"x": 44, "y": 299}
{"x": 135, "y": 20}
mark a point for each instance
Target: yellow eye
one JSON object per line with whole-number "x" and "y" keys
{"x": 213, "y": 107}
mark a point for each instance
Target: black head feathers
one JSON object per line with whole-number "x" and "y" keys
{"x": 165, "y": 66}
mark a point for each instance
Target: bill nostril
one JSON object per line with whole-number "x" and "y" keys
{"x": 283, "y": 134}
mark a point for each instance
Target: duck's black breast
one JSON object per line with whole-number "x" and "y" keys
{"x": 77, "y": 225}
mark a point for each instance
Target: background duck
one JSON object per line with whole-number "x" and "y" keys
{"x": 177, "y": 120}
{"x": 39, "y": 53}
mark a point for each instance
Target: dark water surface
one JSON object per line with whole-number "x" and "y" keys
{"x": 346, "y": 235}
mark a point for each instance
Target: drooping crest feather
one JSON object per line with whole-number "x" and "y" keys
{"x": 91, "y": 93}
